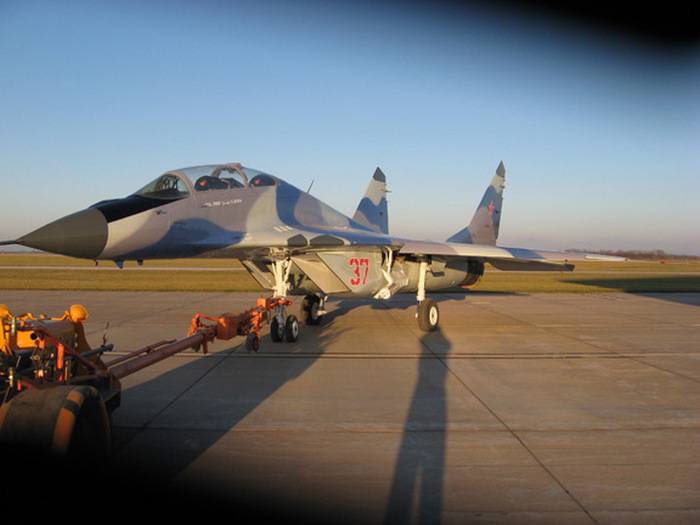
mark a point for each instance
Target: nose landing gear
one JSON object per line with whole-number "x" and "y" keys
{"x": 283, "y": 327}
{"x": 287, "y": 330}
{"x": 291, "y": 329}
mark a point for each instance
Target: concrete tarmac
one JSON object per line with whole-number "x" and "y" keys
{"x": 542, "y": 408}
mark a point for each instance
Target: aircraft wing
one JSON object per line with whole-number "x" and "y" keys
{"x": 503, "y": 258}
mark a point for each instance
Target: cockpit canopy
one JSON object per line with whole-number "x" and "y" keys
{"x": 165, "y": 187}
{"x": 173, "y": 185}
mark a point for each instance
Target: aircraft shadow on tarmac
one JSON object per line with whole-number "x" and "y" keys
{"x": 420, "y": 465}
{"x": 419, "y": 468}
{"x": 676, "y": 288}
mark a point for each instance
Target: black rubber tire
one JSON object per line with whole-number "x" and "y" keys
{"x": 71, "y": 422}
{"x": 311, "y": 304}
{"x": 252, "y": 342}
{"x": 276, "y": 330}
{"x": 291, "y": 329}
{"x": 428, "y": 315}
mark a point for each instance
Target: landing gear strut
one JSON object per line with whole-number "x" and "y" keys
{"x": 282, "y": 326}
{"x": 428, "y": 313}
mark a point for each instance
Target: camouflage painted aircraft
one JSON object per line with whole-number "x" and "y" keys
{"x": 290, "y": 241}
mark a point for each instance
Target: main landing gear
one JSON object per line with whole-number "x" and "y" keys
{"x": 314, "y": 307}
{"x": 428, "y": 313}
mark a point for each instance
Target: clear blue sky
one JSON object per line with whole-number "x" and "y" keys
{"x": 599, "y": 135}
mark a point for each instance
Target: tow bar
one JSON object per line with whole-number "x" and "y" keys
{"x": 58, "y": 393}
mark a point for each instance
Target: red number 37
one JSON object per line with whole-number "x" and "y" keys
{"x": 361, "y": 271}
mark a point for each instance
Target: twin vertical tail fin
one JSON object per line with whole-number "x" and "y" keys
{"x": 373, "y": 210}
{"x": 483, "y": 229}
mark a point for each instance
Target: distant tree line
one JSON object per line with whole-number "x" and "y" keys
{"x": 645, "y": 255}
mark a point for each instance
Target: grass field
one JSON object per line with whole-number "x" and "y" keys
{"x": 46, "y": 259}
{"x": 634, "y": 276}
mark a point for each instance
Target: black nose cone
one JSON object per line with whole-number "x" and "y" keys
{"x": 82, "y": 234}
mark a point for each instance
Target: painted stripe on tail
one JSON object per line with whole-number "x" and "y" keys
{"x": 373, "y": 210}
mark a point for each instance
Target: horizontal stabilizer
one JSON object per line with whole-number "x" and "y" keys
{"x": 7, "y": 243}
{"x": 530, "y": 266}
{"x": 604, "y": 258}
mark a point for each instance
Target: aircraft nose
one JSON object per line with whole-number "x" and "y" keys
{"x": 82, "y": 234}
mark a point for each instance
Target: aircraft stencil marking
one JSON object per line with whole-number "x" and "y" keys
{"x": 360, "y": 277}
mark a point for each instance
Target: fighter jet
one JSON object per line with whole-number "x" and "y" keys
{"x": 289, "y": 241}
